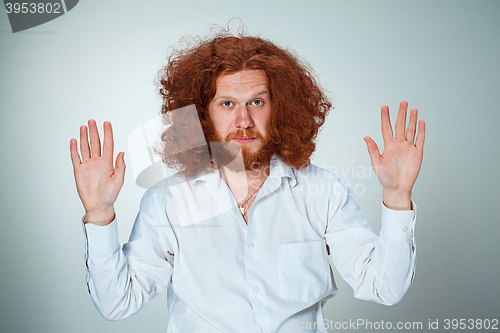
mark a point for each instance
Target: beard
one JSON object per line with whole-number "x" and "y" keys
{"x": 223, "y": 151}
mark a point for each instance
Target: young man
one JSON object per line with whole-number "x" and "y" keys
{"x": 240, "y": 238}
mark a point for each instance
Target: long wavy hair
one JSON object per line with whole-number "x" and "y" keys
{"x": 298, "y": 104}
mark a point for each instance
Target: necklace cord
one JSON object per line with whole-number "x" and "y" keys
{"x": 242, "y": 209}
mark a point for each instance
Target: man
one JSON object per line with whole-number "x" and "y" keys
{"x": 240, "y": 239}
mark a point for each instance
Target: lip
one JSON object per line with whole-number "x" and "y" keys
{"x": 243, "y": 140}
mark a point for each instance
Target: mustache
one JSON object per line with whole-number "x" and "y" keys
{"x": 243, "y": 133}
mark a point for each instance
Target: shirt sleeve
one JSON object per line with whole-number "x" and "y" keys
{"x": 122, "y": 280}
{"x": 379, "y": 268}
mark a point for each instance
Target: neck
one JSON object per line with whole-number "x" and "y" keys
{"x": 245, "y": 182}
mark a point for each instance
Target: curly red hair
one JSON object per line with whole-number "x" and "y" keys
{"x": 298, "y": 104}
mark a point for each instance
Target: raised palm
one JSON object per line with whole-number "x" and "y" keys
{"x": 97, "y": 181}
{"x": 398, "y": 166}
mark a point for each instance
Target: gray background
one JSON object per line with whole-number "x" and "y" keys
{"x": 99, "y": 61}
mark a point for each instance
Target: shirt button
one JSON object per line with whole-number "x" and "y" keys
{"x": 264, "y": 330}
{"x": 404, "y": 228}
{"x": 252, "y": 246}
{"x": 256, "y": 289}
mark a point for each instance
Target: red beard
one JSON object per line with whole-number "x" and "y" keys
{"x": 251, "y": 160}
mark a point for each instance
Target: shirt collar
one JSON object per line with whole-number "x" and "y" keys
{"x": 278, "y": 170}
{"x": 205, "y": 177}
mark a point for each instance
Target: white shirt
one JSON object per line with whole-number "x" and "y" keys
{"x": 222, "y": 275}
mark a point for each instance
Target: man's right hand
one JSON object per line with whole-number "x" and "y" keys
{"x": 97, "y": 181}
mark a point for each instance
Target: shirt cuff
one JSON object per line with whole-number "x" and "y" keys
{"x": 102, "y": 240}
{"x": 398, "y": 225}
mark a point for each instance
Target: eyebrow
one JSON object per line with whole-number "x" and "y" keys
{"x": 230, "y": 97}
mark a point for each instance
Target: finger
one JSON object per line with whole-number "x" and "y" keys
{"x": 108, "y": 141}
{"x": 412, "y": 125}
{"x": 75, "y": 157}
{"x": 401, "y": 120}
{"x": 420, "y": 136}
{"x": 95, "y": 142}
{"x": 84, "y": 143}
{"x": 120, "y": 166}
{"x": 386, "y": 123}
{"x": 372, "y": 151}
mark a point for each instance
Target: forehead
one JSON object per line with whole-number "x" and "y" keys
{"x": 242, "y": 81}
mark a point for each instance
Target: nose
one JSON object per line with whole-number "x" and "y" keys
{"x": 243, "y": 118}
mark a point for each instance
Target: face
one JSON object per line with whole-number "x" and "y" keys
{"x": 240, "y": 111}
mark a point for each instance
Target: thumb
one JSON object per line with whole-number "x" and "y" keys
{"x": 372, "y": 151}
{"x": 120, "y": 166}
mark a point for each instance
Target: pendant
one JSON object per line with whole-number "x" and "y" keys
{"x": 242, "y": 210}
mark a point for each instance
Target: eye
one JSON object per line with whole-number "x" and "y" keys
{"x": 227, "y": 104}
{"x": 258, "y": 102}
